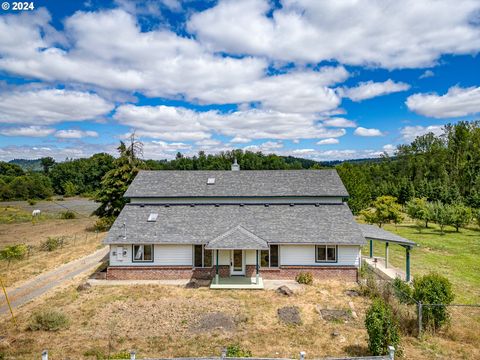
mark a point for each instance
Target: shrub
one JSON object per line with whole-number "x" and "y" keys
{"x": 304, "y": 278}
{"x": 382, "y": 328}
{"x": 68, "y": 215}
{"x": 433, "y": 289}
{"x": 237, "y": 351}
{"x": 31, "y": 202}
{"x": 52, "y": 243}
{"x": 103, "y": 224}
{"x": 403, "y": 291}
{"x": 48, "y": 320}
{"x": 13, "y": 253}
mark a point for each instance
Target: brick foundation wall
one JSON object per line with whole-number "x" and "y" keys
{"x": 185, "y": 272}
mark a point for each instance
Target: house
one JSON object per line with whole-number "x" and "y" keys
{"x": 243, "y": 226}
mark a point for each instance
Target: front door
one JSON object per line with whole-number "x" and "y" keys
{"x": 237, "y": 262}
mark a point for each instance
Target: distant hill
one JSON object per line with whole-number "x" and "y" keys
{"x": 28, "y": 165}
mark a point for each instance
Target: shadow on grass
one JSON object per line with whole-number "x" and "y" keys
{"x": 356, "y": 350}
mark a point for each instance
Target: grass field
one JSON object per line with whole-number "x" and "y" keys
{"x": 16, "y": 227}
{"x": 455, "y": 255}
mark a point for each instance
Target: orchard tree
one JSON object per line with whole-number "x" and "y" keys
{"x": 442, "y": 214}
{"x": 461, "y": 216}
{"x": 384, "y": 209}
{"x": 418, "y": 209}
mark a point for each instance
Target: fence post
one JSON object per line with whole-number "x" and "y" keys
{"x": 133, "y": 355}
{"x": 420, "y": 315}
{"x": 391, "y": 352}
{"x": 223, "y": 355}
{"x": 45, "y": 355}
{"x": 302, "y": 355}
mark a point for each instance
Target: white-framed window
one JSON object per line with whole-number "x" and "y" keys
{"x": 142, "y": 253}
{"x": 326, "y": 253}
{"x": 201, "y": 257}
{"x": 269, "y": 258}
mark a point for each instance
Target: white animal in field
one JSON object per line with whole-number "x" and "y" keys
{"x": 36, "y": 212}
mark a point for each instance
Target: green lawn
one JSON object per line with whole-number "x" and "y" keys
{"x": 455, "y": 255}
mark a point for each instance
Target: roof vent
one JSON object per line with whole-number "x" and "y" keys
{"x": 242, "y": 204}
{"x": 235, "y": 166}
{"x": 142, "y": 205}
{"x": 317, "y": 204}
{"x": 167, "y": 205}
{"x": 217, "y": 205}
{"x": 292, "y": 204}
{"x": 267, "y": 205}
{"x": 211, "y": 181}
{"x": 152, "y": 217}
{"x": 192, "y": 205}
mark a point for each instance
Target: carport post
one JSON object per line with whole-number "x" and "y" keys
{"x": 256, "y": 268}
{"x": 386, "y": 255}
{"x": 216, "y": 269}
{"x": 371, "y": 248}
{"x": 407, "y": 265}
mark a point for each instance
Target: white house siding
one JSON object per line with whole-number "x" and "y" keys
{"x": 164, "y": 255}
{"x": 305, "y": 255}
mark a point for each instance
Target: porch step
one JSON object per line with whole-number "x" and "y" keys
{"x": 238, "y": 283}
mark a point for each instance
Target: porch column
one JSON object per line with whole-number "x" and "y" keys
{"x": 216, "y": 269}
{"x": 371, "y": 248}
{"x": 256, "y": 267}
{"x": 386, "y": 255}
{"x": 407, "y": 265}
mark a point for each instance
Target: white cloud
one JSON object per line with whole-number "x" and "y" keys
{"x": 75, "y": 134}
{"x": 30, "y": 131}
{"x": 176, "y": 123}
{"x": 240, "y": 140}
{"x": 390, "y": 34}
{"x": 455, "y": 103}
{"x": 339, "y": 122}
{"x": 370, "y": 89}
{"x": 427, "y": 74}
{"x": 361, "y": 131}
{"x": 266, "y": 147}
{"x": 389, "y": 149}
{"x": 58, "y": 153}
{"x": 409, "y": 133}
{"x": 50, "y": 106}
{"x": 329, "y": 141}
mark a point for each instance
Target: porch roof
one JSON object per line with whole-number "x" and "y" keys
{"x": 376, "y": 233}
{"x": 237, "y": 238}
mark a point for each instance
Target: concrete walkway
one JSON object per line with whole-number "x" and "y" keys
{"x": 45, "y": 282}
{"x": 389, "y": 273}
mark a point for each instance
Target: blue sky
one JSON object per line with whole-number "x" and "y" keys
{"x": 321, "y": 80}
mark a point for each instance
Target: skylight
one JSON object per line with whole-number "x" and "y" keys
{"x": 152, "y": 217}
{"x": 210, "y": 181}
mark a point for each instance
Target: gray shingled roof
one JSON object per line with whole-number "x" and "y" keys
{"x": 376, "y": 233}
{"x": 202, "y": 223}
{"x": 263, "y": 183}
{"x": 237, "y": 238}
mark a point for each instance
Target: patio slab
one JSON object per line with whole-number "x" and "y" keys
{"x": 237, "y": 282}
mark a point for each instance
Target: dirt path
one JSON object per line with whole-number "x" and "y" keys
{"x": 41, "y": 284}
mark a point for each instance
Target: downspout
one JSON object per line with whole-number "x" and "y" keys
{"x": 256, "y": 267}
{"x": 216, "y": 269}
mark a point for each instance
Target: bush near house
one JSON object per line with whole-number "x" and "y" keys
{"x": 103, "y": 224}
{"x": 237, "y": 351}
{"x": 48, "y": 320}
{"x": 67, "y": 215}
{"x": 382, "y": 328}
{"x": 304, "y": 278}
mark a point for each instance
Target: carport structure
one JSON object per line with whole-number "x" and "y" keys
{"x": 373, "y": 232}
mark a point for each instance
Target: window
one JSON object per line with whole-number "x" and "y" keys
{"x": 269, "y": 258}
{"x": 202, "y": 257}
{"x": 142, "y": 253}
{"x": 326, "y": 253}
{"x": 152, "y": 217}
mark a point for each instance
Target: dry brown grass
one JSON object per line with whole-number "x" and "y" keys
{"x": 80, "y": 242}
{"x": 161, "y": 321}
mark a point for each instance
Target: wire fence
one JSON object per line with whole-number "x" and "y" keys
{"x": 462, "y": 321}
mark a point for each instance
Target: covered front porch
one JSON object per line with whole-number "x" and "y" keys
{"x": 237, "y": 254}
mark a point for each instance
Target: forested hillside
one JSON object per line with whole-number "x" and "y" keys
{"x": 442, "y": 168}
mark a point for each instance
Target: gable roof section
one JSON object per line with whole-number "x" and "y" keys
{"x": 237, "y": 238}
{"x": 376, "y": 233}
{"x": 277, "y": 224}
{"x": 245, "y": 183}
